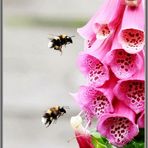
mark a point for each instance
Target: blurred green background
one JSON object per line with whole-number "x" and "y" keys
{"x": 36, "y": 77}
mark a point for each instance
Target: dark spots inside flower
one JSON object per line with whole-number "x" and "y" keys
{"x": 122, "y": 131}
{"x": 103, "y": 31}
{"x": 138, "y": 99}
{"x": 90, "y": 42}
{"x": 122, "y": 61}
{"x": 135, "y": 93}
{"x": 122, "y": 125}
{"x": 126, "y": 121}
{"x": 112, "y": 132}
{"x": 95, "y": 102}
{"x": 112, "y": 126}
{"x": 132, "y": 38}
{"x": 120, "y": 53}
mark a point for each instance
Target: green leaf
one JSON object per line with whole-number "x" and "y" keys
{"x": 134, "y": 145}
{"x": 99, "y": 141}
{"x": 138, "y": 141}
{"x": 97, "y": 144}
{"x": 140, "y": 136}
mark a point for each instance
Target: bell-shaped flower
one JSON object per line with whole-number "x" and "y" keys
{"x": 95, "y": 71}
{"x": 131, "y": 35}
{"x": 118, "y": 127}
{"x": 109, "y": 18}
{"x": 131, "y": 92}
{"x": 102, "y": 24}
{"x": 94, "y": 101}
{"x": 140, "y": 120}
{"x": 124, "y": 65}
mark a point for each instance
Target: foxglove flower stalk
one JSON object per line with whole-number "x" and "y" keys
{"x": 119, "y": 127}
{"x": 113, "y": 64}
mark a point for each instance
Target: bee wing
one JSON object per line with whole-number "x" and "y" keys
{"x": 51, "y": 36}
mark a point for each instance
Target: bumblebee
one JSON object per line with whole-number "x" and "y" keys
{"x": 52, "y": 114}
{"x": 57, "y": 42}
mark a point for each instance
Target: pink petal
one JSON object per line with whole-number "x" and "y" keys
{"x": 133, "y": 3}
{"x": 123, "y": 64}
{"x": 119, "y": 127}
{"x": 131, "y": 35}
{"x": 95, "y": 101}
{"x": 141, "y": 120}
{"x": 140, "y": 74}
{"x": 84, "y": 140}
{"x": 131, "y": 92}
{"x": 102, "y": 24}
{"x": 100, "y": 49}
{"x": 87, "y": 31}
{"x": 109, "y": 18}
{"x": 96, "y": 72}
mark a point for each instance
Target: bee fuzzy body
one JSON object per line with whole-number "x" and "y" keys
{"x": 52, "y": 114}
{"x": 58, "y": 42}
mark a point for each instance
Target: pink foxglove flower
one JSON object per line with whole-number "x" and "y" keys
{"x": 94, "y": 101}
{"x": 82, "y": 135}
{"x": 96, "y": 72}
{"x": 140, "y": 120}
{"x": 124, "y": 65}
{"x": 131, "y": 93}
{"x": 105, "y": 23}
{"x": 119, "y": 127}
{"x": 113, "y": 63}
{"x": 100, "y": 50}
{"x": 131, "y": 35}
{"x": 102, "y": 24}
{"x": 133, "y": 3}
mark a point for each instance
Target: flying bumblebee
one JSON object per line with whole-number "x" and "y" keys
{"x": 52, "y": 114}
{"x": 57, "y": 42}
